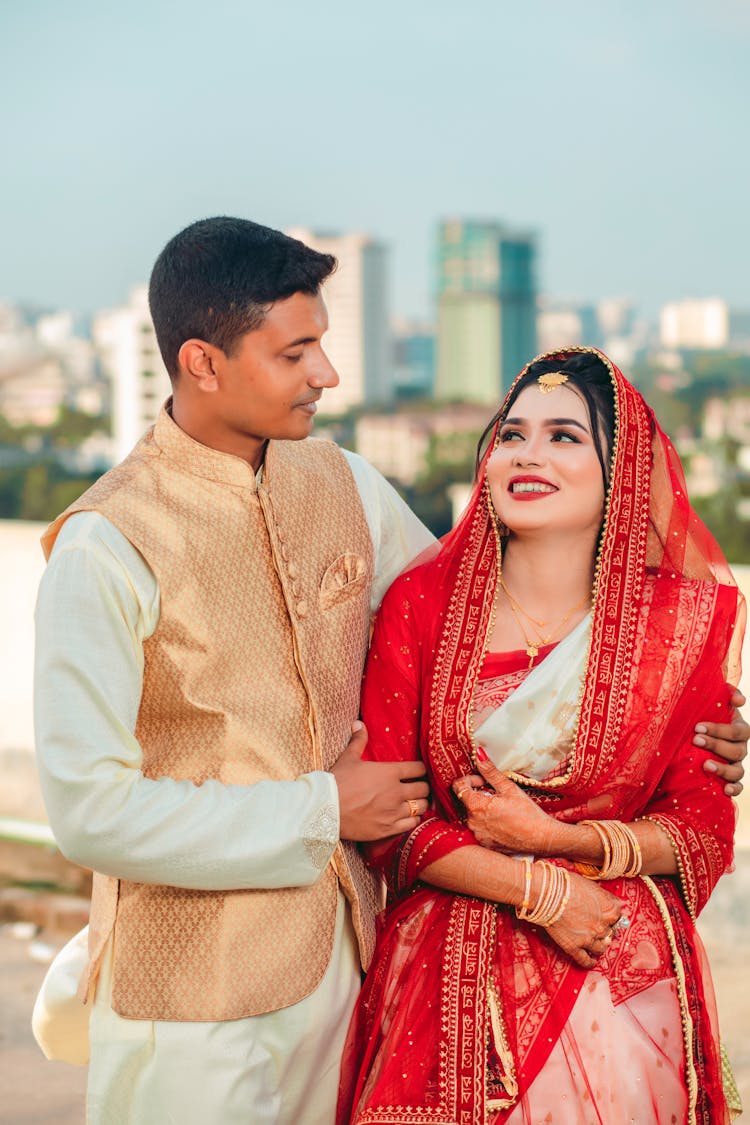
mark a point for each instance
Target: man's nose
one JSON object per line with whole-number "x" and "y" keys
{"x": 323, "y": 373}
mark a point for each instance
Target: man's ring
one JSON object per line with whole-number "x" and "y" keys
{"x": 414, "y": 808}
{"x": 621, "y": 923}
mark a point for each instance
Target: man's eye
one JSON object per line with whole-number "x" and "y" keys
{"x": 294, "y": 358}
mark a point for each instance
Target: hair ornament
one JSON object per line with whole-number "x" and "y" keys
{"x": 550, "y": 380}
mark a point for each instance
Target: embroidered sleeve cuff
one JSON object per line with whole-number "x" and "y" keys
{"x": 320, "y": 832}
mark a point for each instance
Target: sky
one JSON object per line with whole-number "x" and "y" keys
{"x": 616, "y": 130}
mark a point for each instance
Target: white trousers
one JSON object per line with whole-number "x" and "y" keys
{"x": 281, "y": 1068}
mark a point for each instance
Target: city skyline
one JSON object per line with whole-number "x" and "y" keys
{"x": 613, "y": 132}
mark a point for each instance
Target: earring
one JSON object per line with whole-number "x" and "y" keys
{"x": 498, "y": 526}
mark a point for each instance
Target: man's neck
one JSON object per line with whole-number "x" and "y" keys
{"x": 250, "y": 449}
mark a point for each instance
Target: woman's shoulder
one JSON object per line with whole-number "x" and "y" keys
{"x": 417, "y": 580}
{"x": 412, "y": 603}
{"x": 674, "y": 592}
{"x": 671, "y": 581}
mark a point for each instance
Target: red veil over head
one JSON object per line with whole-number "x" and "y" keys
{"x": 665, "y": 636}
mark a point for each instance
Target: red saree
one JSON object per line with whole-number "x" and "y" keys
{"x": 463, "y": 1003}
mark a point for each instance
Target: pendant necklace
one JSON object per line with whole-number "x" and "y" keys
{"x": 534, "y": 644}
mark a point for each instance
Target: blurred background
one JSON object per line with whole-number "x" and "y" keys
{"x": 495, "y": 179}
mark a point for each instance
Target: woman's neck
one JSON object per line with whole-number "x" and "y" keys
{"x": 551, "y": 575}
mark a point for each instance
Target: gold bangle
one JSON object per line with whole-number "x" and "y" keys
{"x": 527, "y": 885}
{"x": 621, "y": 851}
{"x": 565, "y": 899}
{"x": 553, "y": 896}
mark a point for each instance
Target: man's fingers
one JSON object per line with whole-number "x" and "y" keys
{"x": 736, "y": 732}
{"x": 412, "y": 768}
{"x": 724, "y": 770}
{"x": 729, "y": 748}
{"x": 414, "y": 790}
{"x": 727, "y": 751}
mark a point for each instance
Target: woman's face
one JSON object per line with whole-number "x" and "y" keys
{"x": 545, "y": 474}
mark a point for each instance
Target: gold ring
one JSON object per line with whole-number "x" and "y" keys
{"x": 414, "y": 808}
{"x": 460, "y": 793}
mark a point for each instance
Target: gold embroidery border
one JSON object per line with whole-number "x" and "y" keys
{"x": 687, "y": 1020}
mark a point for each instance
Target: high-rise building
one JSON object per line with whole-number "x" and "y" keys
{"x": 695, "y": 324}
{"x": 413, "y": 358}
{"x": 486, "y": 297}
{"x": 126, "y": 345}
{"x": 358, "y": 340}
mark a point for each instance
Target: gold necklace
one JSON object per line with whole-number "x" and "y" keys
{"x": 533, "y": 646}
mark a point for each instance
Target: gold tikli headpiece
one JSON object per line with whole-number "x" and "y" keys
{"x": 550, "y": 380}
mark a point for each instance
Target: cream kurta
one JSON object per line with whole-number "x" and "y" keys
{"x": 98, "y": 602}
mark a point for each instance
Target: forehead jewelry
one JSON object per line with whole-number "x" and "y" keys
{"x": 550, "y": 380}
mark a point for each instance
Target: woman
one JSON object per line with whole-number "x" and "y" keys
{"x": 573, "y": 626}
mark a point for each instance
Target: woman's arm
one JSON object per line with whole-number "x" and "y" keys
{"x": 507, "y": 818}
{"x": 585, "y": 925}
{"x": 686, "y": 827}
{"x": 392, "y": 710}
{"x": 441, "y": 851}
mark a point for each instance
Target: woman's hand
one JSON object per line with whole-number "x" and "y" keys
{"x": 506, "y": 818}
{"x": 589, "y": 922}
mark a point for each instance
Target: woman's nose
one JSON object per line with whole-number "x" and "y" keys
{"x": 530, "y": 453}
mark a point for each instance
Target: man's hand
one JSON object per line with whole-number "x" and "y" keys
{"x": 728, "y": 740}
{"x": 377, "y": 799}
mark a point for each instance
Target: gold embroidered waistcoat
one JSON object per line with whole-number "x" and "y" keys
{"x": 252, "y": 672}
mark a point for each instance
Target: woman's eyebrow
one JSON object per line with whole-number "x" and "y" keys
{"x": 548, "y": 422}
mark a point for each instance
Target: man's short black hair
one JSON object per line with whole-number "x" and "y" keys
{"x": 217, "y": 279}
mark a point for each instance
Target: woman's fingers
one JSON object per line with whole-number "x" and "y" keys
{"x": 462, "y": 785}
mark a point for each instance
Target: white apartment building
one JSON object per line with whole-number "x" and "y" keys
{"x": 558, "y": 326}
{"x": 32, "y": 390}
{"x": 44, "y": 365}
{"x": 358, "y": 340}
{"x": 696, "y": 323}
{"x": 398, "y": 444}
{"x": 125, "y": 342}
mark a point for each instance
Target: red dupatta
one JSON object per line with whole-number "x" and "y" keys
{"x": 663, "y": 642}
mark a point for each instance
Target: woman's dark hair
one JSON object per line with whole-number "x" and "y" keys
{"x": 589, "y": 377}
{"x": 217, "y": 279}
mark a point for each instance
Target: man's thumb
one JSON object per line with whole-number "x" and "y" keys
{"x": 358, "y": 740}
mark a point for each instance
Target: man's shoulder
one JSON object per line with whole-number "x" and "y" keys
{"x": 119, "y": 481}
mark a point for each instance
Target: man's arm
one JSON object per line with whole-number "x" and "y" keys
{"x": 729, "y": 741}
{"x": 398, "y": 536}
{"x": 98, "y": 602}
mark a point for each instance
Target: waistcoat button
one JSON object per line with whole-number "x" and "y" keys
{"x": 301, "y": 609}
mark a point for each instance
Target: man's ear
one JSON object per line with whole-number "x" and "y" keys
{"x": 197, "y": 360}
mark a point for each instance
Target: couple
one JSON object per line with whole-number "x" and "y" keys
{"x": 202, "y": 626}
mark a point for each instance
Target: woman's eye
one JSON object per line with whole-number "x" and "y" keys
{"x": 511, "y": 435}
{"x": 563, "y": 435}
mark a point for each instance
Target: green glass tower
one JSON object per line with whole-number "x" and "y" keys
{"x": 486, "y": 296}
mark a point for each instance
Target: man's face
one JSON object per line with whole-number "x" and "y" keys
{"x": 270, "y": 384}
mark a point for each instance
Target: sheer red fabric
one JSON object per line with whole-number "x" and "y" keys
{"x": 464, "y": 1003}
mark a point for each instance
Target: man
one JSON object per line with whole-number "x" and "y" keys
{"x": 202, "y": 627}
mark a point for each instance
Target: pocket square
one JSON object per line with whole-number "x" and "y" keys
{"x": 345, "y": 576}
